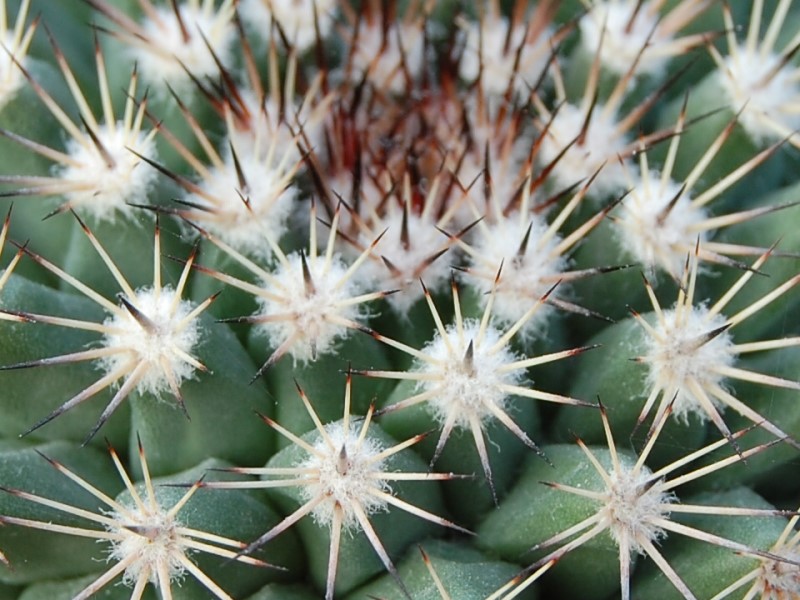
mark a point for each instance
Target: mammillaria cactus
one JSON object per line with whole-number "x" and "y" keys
{"x": 377, "y": 299}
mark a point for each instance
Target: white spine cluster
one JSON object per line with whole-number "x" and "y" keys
{"x": 777, "y": 579}
{"x": 469, "y": 379}
{"x": 146, "y": 538}
{"x": 346, "y": 477}
{"x": 682, "y": 358}
{"x": 104, "y": 178}
{"x": 764, "y": 90}
{"x": 267, "y": 132}
{"x": 657, "y": 223}
{"x": 761, "y": 81}
{"x": 245, "y": 217}
{"x": 636, "y": 507}
{"x": 15, "y": 43}
{"x": 408, "y": 261}
{"x": 623, "y": 38}
{"x": 147, "y": 542}
{"x": 295, "y": 17}
{"x": 595, "y": 146}
{"x": 387, "y": 59}
{"x": 311, "y": 318}
{"x": 632, "y": 506}
{"x": 159, "y": 346}
{"x": 526, "y": 276}
{"x": 176, "y": 45}
{"x": 488, "y": 56}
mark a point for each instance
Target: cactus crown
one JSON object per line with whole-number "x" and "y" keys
{"x": 496, "y": 227}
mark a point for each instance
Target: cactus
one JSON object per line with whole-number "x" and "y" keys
{"x": 421, "y": 300}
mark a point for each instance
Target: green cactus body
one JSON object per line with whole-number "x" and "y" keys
{"x": 499, "y": 227}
